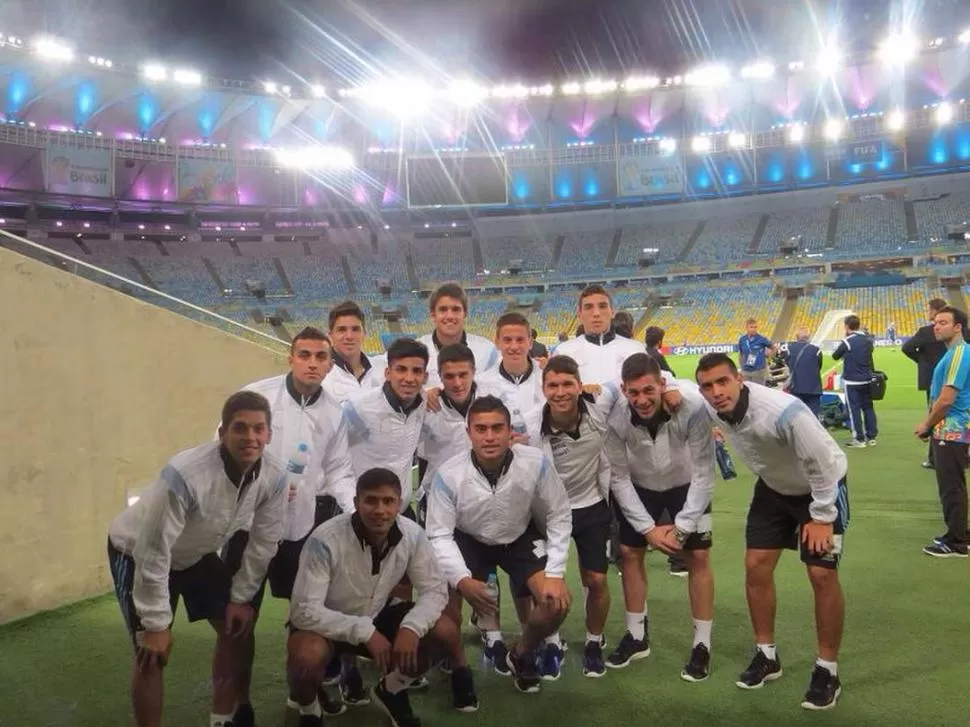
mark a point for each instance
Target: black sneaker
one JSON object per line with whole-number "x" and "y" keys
{"x": 396, "y": 706}
{"x": 629, "y": 649}
{"x": 823, "y": 691}
{"x": 331, "y": 706}
{"x": 523, "y": 669}
{"x": 678, "y": 569}
{"x": 352, "y": 689}
{"x": 594, "y": 666}
{"x": 498, "y": 654}
{"x": 944, "y": 550}
{"x": 420, "y": 683}
{"x": 698, "y": 667}
{"x": 463, "y": 690}
{"x": 550, "y": 662}
{"x": 310, "y": 720}
{"x": 331, "y": 677}
{"x": 760, "y": 670}
{"x": 244, "y": 716}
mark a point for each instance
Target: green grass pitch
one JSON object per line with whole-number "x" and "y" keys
{"x": 903, "y": 660}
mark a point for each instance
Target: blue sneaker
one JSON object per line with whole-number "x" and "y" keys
{"x": 550, "y": 662}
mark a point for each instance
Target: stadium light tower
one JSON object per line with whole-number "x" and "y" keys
{"x": 52, "y": 49}
{"x": 700, "y": 144}
{"x": 896, "y": 121}
{"x": 269, "y": 86}
{"x": 640, "y": 83}
{"x": 187, "y": 78}
{"x": 796, "y": 134}
{"x": 737, "y": 140}
{"x": 833, "y": 130}
{"x": 829, "y": 61}
{"x": 466, "y": 94}
{"x": 668, "y": 145}
{"x": 944, "y": 114}
{"x": 318, "y": 91}
{"x": 964, "y": 37}
{"x": 315, "y": 158}
{"x": 898, "y": 49}
{"x": 712, "y": 75}
{"x": 758, "y": 70}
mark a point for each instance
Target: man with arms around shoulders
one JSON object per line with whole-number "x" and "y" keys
{"x": 353, "y": 370}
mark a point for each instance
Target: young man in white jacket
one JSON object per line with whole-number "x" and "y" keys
{"x": 164, "y": 548}
{"x": 503, "y": 506}
{"x": 342, "y": 604}
{"x": 662, "y": 463}
{"x": 800, "y": 502}
{"x": 517, "y": 380}
{"x": 353, "y": 370}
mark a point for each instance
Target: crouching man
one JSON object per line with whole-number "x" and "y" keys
{"x": 342, "y": 604}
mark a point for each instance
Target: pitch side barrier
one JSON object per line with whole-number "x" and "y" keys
{"x": 689, "y": 350}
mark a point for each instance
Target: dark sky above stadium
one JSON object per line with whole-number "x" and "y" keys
{"x": 337, "y": 41}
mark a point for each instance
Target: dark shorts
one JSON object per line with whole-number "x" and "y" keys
{"x": 387, "y": 623}
{"x": 409, "y": 513}
{"x": 659, "y": 504}
{"x": 521, "y": 559}
{"x": 591, "y": 533}
{"x": 326, "y": 508}
{"x": 203, "y": 588}
{"x": 283, "y": 568}
{"x": 775, "y": 523}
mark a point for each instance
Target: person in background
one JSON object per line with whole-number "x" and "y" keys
{"x": 539, "y": 350}
{"x": 804, "y": 361}
{"x": 753, "y": 352}
{"x": 891, "y": 334}
{"x": 926, "y": 352}
{"x": 654, "y": 340}
{"x": 623, "y": 324}
{"x": 855, "y": 352}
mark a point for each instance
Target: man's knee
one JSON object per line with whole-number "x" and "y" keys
{"x": 759, "y": 566}
{"x": 307, "y": 652}
{"x": 596, "y": 583}
{"x": 697, "y": 560}
{"x": 631, "y": 557}
{"x": 823, "y": 579}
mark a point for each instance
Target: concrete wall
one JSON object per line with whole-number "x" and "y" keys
{"x": 97, "y": 391}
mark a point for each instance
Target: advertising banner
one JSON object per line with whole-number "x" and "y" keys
{"x": 204, "y": 180}
{"x": 699, "y": 350}
{"x": 643, "y": 176}
{"x": 71, "y": 170}
{"x": 864, "y": 152}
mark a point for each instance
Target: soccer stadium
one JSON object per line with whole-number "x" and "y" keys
{"x": 164, "y": 235}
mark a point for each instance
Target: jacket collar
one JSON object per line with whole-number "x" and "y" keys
{"x": 460, "y": 408}
{"x": 494, "y": 477}
{"x": 601, "y": 339}
{"x": 437, "y": 342}
{"x": 395, "y": 401}
{"x": 299, "y": 398}
{"x": 236, "y": 476}
{"x": 737, "y": 416}
{"x": 547, "y": 427}
{"x": 379, "y": 553}
{"x": 341, "y": 362}
{"x": 512, "y": 378}
{"x": 653, "y": 423}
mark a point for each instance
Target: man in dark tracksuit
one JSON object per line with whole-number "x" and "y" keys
{"x": 926, "y": 351}
{"x": 855, "y": 352}
{"x": 804, "y": 361}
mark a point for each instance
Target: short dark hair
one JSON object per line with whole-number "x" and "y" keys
{"x": 639, "y": 365}
{"x": 535, "y": 333}
{"x": 852, "y": 322}
{"x": 580, "y": 330}
{"x": 407, "y": 348}
{"x": 455, "y": 353}
{"x": 309, "y": 334}
{"x": 653, "y": 336}
{"x": 448, "y": 290}
{"x": 245, "y": 401}
{"x": 513, "y": 318}
{"x": 750, "y": 321}
{"x": 937, "y": 304}
{"x": 563, "y": 336}
{"x": 959, "y": 316}
{"x": 378, "y": 477}
{"x": 561, "y": 365}
{"x": 623, "y": 324}
{"x": 594, "y": 290}
{"x": 347, "y": 308}
{"x": 713, "y": 360}
{"x": 488, "y": 404}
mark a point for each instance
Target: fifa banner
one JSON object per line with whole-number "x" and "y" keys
{"x": 864, "y": 152}
{"x": 639, "y": 176}
{"x": 202, "y": 180}
{"x": 729, "y": 348}
{"x": 71, "y": 170}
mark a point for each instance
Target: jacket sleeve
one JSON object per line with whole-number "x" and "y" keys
{"x": 700, "y": 442}
{"x": 840, "y": 351}
{"x": 338, "y": 469}
{"x": 168, "y": 505}
{"x": 308, "y": 610}
{"x": 670, "y": 383}
{"x": 430, "y": 587}
{"x": 551, "y": 506}
{"x": 441, "y": 520}
{"x": 353, "y": 423}
{"x": 622, "y": 487}
{"x": 823, "y": 462}
{"x": 264, "y": 539}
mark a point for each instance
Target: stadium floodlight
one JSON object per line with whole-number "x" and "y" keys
{"x": 466, "y": 94}
{"x": 269, "y": 86}
{"x": 758, "y": 70}
{"x": 513, "y": 91}
{"x": 403, "y": 97}
{"x": 53, "y": 49}
{"x": 286, "y": 90}
{"x": 640, "y": 83}
{"x": 700, "y": 144}
{"x": 964, "y": 37}
{"x": 712, "y": 75}
{"x": 944, "y": 113}
{"x": 315, "y": 158}
{"x": 570, "y": 89}
{"x": 318, "y": 91}
{"x": 833, "y": 129}
{"x": 187, "y": 77}
{"x": 599, "y": 86}
{"x": 796, "y": 66}
{"x": 898, "y": 49}
{"x": 668, "y": 145}
{"x": 796, "y": 134}
{"x": 829, "y": 61}
{"x": 544, "y": 90}
{"x": 737, "y": 140}
{"x": 896, "y": 120}
{"x": 154, "y": 72}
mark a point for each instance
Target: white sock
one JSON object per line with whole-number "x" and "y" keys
{"x": 313, "y": 708}
{"x": 702, "y": 633}
{"x": 832, "y": 666}
{"x": 594, "y": 638}
{"x": 492, "y": 636}
{"x": 635, "y": 624}
{"x": 396, "y": 682}
{"x": 220, "y": 720}
{"x": 768, "y": 650}
{"x": 554, "y": 640}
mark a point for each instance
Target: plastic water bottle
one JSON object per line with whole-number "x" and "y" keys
{"x": 295, "y": 467}
{"x": 490, "y": 621}
{"x": 518, "y": 423}
{"x": 724, "y": 461}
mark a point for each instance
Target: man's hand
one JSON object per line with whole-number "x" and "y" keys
{"x": 476, "y": 593}
{"x": 380, "y": 651}
{"x": 152, "y": 648}
{"x": 922, "y": 431}
{"x": 817, "y": 537}
{"x": 405, "y": 656}
{"x": 594, "y": 389}
{"x": 672, "y": 400}
{"x": 556, "y": 594}
{"x": 718, "y": 434}
{"x": 239, "y": 619}
{"x": 542, "y": 361}
{"x": 434, "y": 399}
{"x": 662, "y": 537}
{"x": 520, "y": 438}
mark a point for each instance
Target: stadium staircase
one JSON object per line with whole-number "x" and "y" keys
{"x": 615, "y": 247}
{"x": 912, "y": 229}
{"x": 413, "y": 278}
{"x": 234, "y": 246}
{"x": 788, "y": 311}
{"x": 142, "y": 273}
{"x": 694, "y": 236}
{"x": 348, "y": 275}
{"x": 83, "y": 247}
{"x": 758, "y": 236}
{"x": 644, "y": 320}
{"x": 833, "y": 228}
{"x": 477, "y": 255}
{"x": 557, "y": 252}
{"x": 287, "y": 285}
{"x": 954, "y": 295}
{"x": 162, "y": 250}
{"x": 214, "y": 274}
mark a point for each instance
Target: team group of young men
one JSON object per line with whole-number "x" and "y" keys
{"x": 308, "y": 488}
